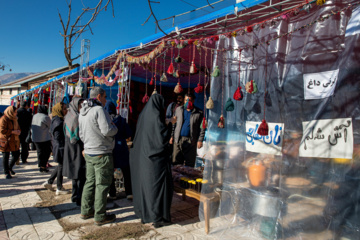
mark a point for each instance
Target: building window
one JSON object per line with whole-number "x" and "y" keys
{"x": 1, "y": 92}
{"x": 10, "y": 91}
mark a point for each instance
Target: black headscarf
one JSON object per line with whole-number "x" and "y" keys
{"x": 43, "y": 109}
{"x": 150, "y": 163}
{"x": 110, "y": 108}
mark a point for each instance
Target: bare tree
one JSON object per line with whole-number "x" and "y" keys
{"x": 72, "y": 31}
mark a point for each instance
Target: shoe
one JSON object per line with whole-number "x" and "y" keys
{"x": 12, "y": 172}
{"x": 112, "y": 198}
{"x": 44, "y": 170}
{"x": 8, "y": 176}
{"x": 48, "y": 165}
{"x": 17, "y": 162}
{"x": 161, "y": 224}
{"x": 61, "y": 192}
{"x": 48, "y": 186}
{"x": 86, "y": 216}
{"x": 25, "y": 162}
{"x": 108, "y": 219}
{"x": 129, "y": 197}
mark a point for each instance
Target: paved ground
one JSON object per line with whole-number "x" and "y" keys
{"x": 21, "y": 219}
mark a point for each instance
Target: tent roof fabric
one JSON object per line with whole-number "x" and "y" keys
{"x": 204, "y": 26}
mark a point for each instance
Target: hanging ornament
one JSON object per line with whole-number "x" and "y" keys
{"x": 178, "y": 59}
{"x": 251, "y": 87}
{"x": 176, "y": 74}
{"x": 229, "y": 105}
{"x": 238, "y": 95}
{"x": 216, "y": 72}
{"x": 151, "y": 82}
{"x": 199, "y": 88}
{"x": 221, "y": 123}
{"x": 171, "y": 69}
{"x": 204, "y": 124}
{"x": 193, "y": 68}
{"x": 210, "y": 103}
{"x": 178, "y": 88}
{"x": 263, "y": 129}
{"x": 249, "y": 29}
{"x": 163, "y": 78}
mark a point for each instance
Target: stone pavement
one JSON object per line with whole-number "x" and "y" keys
{"x": 21, "y": 219}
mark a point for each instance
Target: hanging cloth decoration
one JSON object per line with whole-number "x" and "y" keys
{"x": 238, "y": 95}
{"x": 263, "y": 129}
{"x": 216, "y": 72}
{"x": 229, "y": 105}
{"x": 146, "y": 97}
{"x": 210, "y": 102}
{"x": 171, "y": 67}
{"x": 152, "y": 75}
{"x": 193, "y": 68}
{"x": 204, "y": 122}
{"x": 163, "y": 77}
{"x": 221, "y": 123}
{"x": 199, "y": 87}
{"x": 251, "y": 87}
{"x": 178, "y": 88}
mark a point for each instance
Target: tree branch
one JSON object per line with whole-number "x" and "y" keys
{"x": 156, "y": 21}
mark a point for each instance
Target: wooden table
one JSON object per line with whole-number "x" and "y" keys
{"x": 206, "y": 199}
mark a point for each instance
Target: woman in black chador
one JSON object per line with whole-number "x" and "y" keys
{"x": 150, "y": 165}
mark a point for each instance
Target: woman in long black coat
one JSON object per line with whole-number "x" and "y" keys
{"x": 74, "y": 162}
{"x": 150, "y": 165}
{"x": 58, "y": 142}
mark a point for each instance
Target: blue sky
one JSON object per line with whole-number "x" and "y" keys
{"x": 30, "y": 39}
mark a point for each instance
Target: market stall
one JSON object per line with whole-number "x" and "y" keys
{"x": 279, "y": 92}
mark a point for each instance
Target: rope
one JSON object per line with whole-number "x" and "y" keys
{"x": 190, "y": 67}
{"x": 222, "y": 84}
{"x": 265, "y": 80}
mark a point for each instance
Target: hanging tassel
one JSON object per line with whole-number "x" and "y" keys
{"x": 151, "y": 82}
{"x": 163, "y": 78}
{"x": 176, "y": 74}
{"x": 193, "y": 68}
{"x": 178, "y": 88}
{"x": 221, "y": 123}
{"x": 255, "y": 89}
{"x": 178, "y": 59}
{"x": 210, "y": 103}
{"x": 238, "y": 95}
{"x": 154, "y": 92}
{"x": 251, "y": 87}
{"x": 204, "y": 124}
{"x": 263, "y": 130}
{"x": 249, "y": 29}
{"x": 145, "y": 98}
{"x": 170, "y": 69}
{"x": 199, "y": 88}
{"x": 216, "y": 72}
{"x": 229, "y": 105}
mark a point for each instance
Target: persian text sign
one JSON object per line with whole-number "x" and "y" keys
{"x": 331, "y": 138}
{"x": 270, "y": 144}
{"x": 320, "y": 85}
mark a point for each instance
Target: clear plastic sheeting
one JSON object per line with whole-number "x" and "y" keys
{"x": 300, "y": 183}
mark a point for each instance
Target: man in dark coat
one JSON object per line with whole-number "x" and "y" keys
{"x": 24, "y": 120}
{"x": 150, "y": 165}
{"x": 187, "y": 134}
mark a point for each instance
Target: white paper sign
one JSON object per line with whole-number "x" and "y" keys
{"x": 331, "y": 138}
{"x": 271, "y": 144}
{"x": 320, "y": 85}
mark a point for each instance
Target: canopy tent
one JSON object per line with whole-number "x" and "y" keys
{"x": 297, "y": 66}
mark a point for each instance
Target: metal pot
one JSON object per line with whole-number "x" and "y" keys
{"x": 267, "y": 202}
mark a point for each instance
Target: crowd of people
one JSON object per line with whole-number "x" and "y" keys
{"x": 88, "y": 141}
